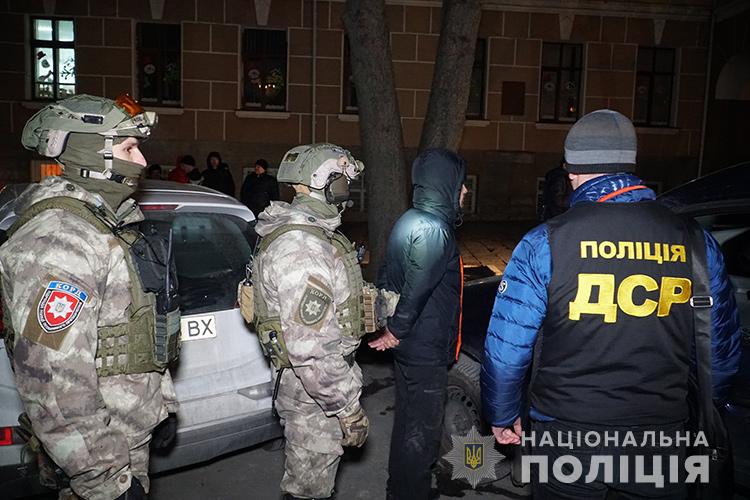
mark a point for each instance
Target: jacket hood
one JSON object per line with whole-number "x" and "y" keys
{"x": 437, "y": 176}
{"x": 594, "y": 189}
{"x": 281, "y": 213}
{"x": 213, "y": 154}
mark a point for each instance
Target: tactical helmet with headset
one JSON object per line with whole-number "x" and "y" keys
{"x": 48, "y": 131}
{"x": 326, "y": 169}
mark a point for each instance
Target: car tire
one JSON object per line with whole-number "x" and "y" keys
{"x": 462, "y": 406}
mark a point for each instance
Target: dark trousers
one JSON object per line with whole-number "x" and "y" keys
{"x": 601, "y": 488}
{"x": 417, "y": 425}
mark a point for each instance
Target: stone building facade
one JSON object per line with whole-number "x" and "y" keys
{"x": 251, "y": 78}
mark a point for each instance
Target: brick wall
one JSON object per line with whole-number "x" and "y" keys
{"x": 507, "y": 153}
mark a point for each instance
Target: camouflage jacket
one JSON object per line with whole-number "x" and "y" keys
{"x": 61, "y": 279}
{"x": 301, "y": 282}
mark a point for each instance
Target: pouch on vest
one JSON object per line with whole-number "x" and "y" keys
{"x": 152, "y": 256}
{"x": 385, "y": 306}
{"x": 377, "y": 307}
{"x": 246, "y": 300}
{"x": 272, "y": 342}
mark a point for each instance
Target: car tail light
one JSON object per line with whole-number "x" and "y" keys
{"x": 6, "y": 436}
{"x": 157, "y": 207}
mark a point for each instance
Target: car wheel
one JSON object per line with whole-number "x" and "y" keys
{"x": 463, "y": 405}
{"x": 463, "y": 410}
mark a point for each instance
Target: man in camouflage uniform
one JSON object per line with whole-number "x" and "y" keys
{"x": 308, "y": 288}
{"x": 66, "y": 287}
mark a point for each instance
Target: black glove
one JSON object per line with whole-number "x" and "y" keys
{"x": 165, "y": 433}
{"x": 135, "y": 492}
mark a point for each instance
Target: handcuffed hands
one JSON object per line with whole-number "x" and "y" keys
{"x": 386, "y": 341}
{"x": 508, "y": 435}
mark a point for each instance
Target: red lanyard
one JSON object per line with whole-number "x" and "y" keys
{"x": 619, "y": 192}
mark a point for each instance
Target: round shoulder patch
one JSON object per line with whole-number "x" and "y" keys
{"x": 59, "y": 306}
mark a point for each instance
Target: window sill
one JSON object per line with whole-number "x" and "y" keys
{"x": 269, "y": 115}
{"x": 164, "y": 110}
{"x": 346, "y": 117}
{"x": 476, "y": 123}
{"x": 552, "y": 126}
{"x": 657, "y": 130}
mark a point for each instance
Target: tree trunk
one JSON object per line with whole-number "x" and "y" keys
{"x": 379, "y": 122}
{"x": 451, "y": 80}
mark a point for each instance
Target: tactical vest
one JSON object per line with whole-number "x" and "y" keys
{"x": 150, "y": 338}
{"x": 615, "y": 345}
{"x": 349, "y": 313}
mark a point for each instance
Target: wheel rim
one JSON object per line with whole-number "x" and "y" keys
{"x": 461, "y": 413}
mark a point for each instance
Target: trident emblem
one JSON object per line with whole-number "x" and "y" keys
{"x": 474, "y": 455}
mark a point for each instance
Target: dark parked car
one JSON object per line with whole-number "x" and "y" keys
{"x": 720, "y": 202}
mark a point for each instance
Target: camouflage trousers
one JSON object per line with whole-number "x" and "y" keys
{"x": 102, "y": 465}
{"x": 139, "y": 455}
{"x": 313, "y": 442}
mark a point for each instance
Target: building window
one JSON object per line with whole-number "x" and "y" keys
{"x": 475, "y": 106}
{"x": 653, "y": 87}
{"x": 349, "y": 92}
{"x": 159, "y": 69}
{"x": 560, "y": 86}
{"x": 53, "y": 58}
{"x": 264, "y": 65}
{"x": 357, "y": 194}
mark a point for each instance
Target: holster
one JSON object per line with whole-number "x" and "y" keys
{"x": 246, "y": 300}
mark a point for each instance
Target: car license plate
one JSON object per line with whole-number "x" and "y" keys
{"x": 197, "y": 327}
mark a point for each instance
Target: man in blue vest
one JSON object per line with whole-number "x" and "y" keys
{"x": 599, "y": 297}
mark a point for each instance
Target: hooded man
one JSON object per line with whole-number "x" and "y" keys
{"x": 259, "y": 189}
{"x": 422, "y": 264}
{"x": 217, "y": 175}
{"x": 309, "y": 317}
{"x": 81, "y": 327}
{"x": 609, "y": 326}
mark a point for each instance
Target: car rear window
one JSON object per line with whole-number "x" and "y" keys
{"x": 211, "y": 251}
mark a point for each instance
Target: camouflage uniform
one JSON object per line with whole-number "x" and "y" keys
{"x": 301, "y": 282}
{"x": 97, "y": 429}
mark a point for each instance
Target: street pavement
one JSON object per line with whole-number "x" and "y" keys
{"x": 256, "y": 472}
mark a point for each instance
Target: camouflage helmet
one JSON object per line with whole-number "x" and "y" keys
{"x": 47, "y": 131}
{"x": 312, "y": 164}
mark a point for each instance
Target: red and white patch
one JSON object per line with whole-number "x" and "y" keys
{"x": 59, "y": 306}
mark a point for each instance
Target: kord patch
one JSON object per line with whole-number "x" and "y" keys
{"x": 313, "y": 305}
{"x": 59, "y": 306}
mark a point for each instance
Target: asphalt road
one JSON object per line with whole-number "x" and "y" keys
{"x": 256, "y": 472}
